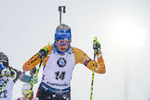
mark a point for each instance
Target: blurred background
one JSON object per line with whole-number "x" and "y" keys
{"x": 122, "y": 28}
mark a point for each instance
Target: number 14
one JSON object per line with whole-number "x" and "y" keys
{"x": 60, "y": 75}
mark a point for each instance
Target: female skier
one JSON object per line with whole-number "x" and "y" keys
{"x": 59, "y": 60}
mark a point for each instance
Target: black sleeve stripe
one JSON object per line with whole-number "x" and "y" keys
{"x": 87, "y": 61}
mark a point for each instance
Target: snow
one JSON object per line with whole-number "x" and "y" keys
{"x": 28, "y": 25}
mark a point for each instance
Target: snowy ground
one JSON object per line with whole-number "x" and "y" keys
{"x": 121, "y": 26}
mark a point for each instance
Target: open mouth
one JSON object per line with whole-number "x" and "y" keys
{"x": 63, "y": 49}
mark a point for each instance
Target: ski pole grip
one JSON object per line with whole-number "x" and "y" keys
{"x": 95, "y": 38}
{"x": 46, "y": 47}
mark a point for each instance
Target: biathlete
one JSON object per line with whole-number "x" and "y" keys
{"x": 9, "y": 76}
{"x": 59, "y": 60}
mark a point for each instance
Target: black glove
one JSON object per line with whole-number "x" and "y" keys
{"x": 97, "y": 46}
{"x": 33, "y": 71}
{"x": 42, "y": 53}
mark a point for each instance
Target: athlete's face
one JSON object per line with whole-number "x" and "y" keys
{"x": 62, "y": 45}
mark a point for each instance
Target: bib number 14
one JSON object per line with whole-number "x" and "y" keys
{"x": 60, "y": 75}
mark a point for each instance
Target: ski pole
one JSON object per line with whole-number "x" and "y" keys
{"x": 60, "y": 9}
{"x": 95, "y": 40}
{"x": 5, "y": 82}
{"x": 3, "y": 85}
{"x": 32, "y": 82}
